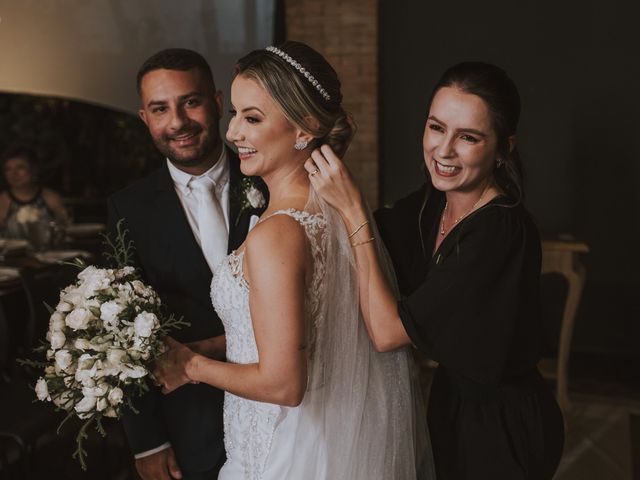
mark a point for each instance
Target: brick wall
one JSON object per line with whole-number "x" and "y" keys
{"x": 346, "y": 33}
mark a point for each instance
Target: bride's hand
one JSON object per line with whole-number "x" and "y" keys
{"x": 334, "y": 183}
{"x": 170, "y": 369}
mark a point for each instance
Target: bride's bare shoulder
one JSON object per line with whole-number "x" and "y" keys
{"x": 276, "y": 238}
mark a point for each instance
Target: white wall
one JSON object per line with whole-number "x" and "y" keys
{"x": 90, "y": 50}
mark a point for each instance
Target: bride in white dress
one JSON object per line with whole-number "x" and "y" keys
{"x": 306, "y": 397}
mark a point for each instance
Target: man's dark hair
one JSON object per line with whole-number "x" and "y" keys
{"x": 175, "y": 59}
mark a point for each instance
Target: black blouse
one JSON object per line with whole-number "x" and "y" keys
{"x": 473, "y": 305}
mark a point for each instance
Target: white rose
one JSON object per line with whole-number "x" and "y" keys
{"x": 79, "y": 319}
{"x": 57, "y": 339}
{"x": 136, "y": 371}
{"x": 144, "y": 324}
{"x": 115, "y": 356}
{"x": 81, "y": 344}
{"x": 139, "y": 287}
{"x": 73, "y": 296}
{"x": 93, "y": 304}
{"x": 94, "y": 279}
{"x": 255, "y": 197}
{"x": 42, "y": 391}
{"x": 84, "y": 378}
{"x": 108, "y": 370}
{"x": 64, "y": 307}
{"x": 109, "y": 312}
{"x": 86, "y": 404}
{"x": 50, "y": 354}
{"x": 116, "y": 396}
{"x": 86, "y": 361}
{"x": 63, "y": 359}
{"x": 99, "y": 390}
{"x": 56, "y": 322}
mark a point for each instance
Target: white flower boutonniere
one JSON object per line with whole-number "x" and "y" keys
{"x": 250, "y": 196}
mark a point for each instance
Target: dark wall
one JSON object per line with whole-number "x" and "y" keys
{"x": 578, "y": 70}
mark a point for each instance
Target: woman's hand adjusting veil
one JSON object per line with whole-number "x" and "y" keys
{"x": 334, "y": 183}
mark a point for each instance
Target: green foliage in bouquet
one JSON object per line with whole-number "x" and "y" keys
{"x": 103, "y": 335}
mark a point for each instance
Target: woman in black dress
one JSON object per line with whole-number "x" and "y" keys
{"x": 467, "y": 256}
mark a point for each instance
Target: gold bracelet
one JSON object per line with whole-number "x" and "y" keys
{"x": 359, "y": 228}
{"x": 363, "y": 242}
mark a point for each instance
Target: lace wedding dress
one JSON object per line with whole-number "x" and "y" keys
{"x": 356, "y": 420}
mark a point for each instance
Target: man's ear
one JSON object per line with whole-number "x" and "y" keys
{"x": 512, "y": 143}
{"x": 218, "y": 98}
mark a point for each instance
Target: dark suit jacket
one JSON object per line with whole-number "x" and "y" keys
{"x": 171, "y": 261}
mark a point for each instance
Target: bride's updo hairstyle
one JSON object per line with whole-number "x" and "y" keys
{"x": 500, "y": 94}
{"x": 305, "y": 87}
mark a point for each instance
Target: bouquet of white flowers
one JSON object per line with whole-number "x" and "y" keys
{"x": 102, "y": 335}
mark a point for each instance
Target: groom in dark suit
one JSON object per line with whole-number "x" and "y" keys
{"x": 183, "y": 219}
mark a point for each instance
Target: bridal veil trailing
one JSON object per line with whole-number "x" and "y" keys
{"x": 361, "y": 417}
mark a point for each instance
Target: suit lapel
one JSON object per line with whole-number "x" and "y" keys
{"x": 238, "y": 218}
{"x": 177, "y": 232}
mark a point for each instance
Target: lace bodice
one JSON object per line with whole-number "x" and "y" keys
{"x": 250, "y": 425}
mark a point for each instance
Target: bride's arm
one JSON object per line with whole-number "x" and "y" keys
{"x": 275, "y": 266}
{"x": 378, "y": 304}
{"x": 214, "y": 347}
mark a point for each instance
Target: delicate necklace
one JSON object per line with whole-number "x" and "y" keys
{"x": 446, "y": 205}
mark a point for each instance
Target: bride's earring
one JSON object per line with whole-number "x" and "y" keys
{"x": 301, "y": 145}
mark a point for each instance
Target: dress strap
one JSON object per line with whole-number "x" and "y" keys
{"x": 285, "y": 211}
{"x": 299, "y": 216}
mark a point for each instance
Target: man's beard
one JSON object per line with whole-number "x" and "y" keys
{"x": 195, "y": 157}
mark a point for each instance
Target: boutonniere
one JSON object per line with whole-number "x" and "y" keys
{"x": 250, "y": 197}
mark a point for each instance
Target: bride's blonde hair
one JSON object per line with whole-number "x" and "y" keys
{"x": 299, "y": 97}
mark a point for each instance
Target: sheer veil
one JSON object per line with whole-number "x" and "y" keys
{"x": 362, "y": 417}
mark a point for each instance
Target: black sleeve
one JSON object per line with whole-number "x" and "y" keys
{"x": 146, "y": 429}
{"x": 464, "y": 313}
{"x": 405, "y": 248}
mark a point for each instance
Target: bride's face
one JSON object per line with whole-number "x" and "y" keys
{"x": 259, "y": 130}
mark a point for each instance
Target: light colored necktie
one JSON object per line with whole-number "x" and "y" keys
{"x": 214, "y": 236}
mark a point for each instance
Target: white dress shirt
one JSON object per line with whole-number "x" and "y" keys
{"x": 219, "y": 174}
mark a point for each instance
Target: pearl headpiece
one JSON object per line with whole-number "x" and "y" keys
{"x": 302, "y": 70}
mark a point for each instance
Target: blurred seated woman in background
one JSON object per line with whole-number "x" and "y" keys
{"x": 25, "y": 200}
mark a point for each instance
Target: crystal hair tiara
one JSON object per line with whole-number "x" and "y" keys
{"x": 302, "y": 70}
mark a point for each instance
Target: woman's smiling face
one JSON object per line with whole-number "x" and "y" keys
{"x": 459, "y": 143}
{"x": 260, "y": 131}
